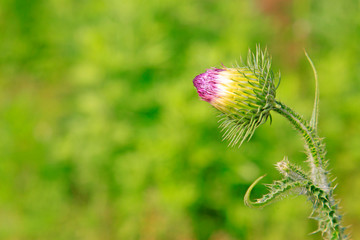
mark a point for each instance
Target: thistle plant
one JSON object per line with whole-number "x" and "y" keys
{"x": 245, "y": 96}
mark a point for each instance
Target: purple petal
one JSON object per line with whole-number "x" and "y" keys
{"x": 205, "y": 83}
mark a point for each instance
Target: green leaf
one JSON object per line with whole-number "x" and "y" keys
{"x": 291, "y": 171}
{"x": 315, "y": 112}
{"x": 277, "y": 190}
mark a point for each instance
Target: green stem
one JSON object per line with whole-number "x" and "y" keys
{"x": 313, "y": 143}
{"x": 325, "y": 212}
{"x": 321, "y": 194}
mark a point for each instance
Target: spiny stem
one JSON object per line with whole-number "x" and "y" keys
{"x": 320, "y": 192}
{"x": 325, "y": 212}
{"x": 313, "y": 143}
{"x": 291, "y": 171}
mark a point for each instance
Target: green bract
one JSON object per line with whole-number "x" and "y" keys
{"x": 244, "y": 95}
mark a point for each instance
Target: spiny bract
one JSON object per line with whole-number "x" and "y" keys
{"x": 244, "y": 95}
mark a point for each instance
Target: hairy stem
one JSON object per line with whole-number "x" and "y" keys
{"x": 321, "y": 193}
{"x": 325, "y": 212}
{"x": 313, "y": 143}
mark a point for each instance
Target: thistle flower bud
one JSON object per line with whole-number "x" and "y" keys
{"x": 244, "y": 95}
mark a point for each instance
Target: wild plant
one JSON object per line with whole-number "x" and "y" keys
{"x": 245, "y": 95}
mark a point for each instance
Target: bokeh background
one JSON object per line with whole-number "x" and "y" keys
{"x": 102, "y": 134}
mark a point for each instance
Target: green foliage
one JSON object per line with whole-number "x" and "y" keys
{"x": 315, "y": 185}
{"x": 296, "y": 181}
{"x": 102, "y": 134}
{"x": 277, "y": 190}
{"x": 315, "y": 113}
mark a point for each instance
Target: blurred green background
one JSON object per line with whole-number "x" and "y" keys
{"x": 103, "y": 136}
